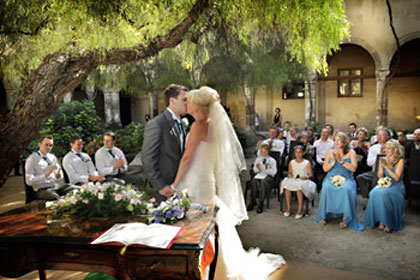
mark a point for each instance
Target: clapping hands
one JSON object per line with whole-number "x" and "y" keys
{"x": 119, "y": 164}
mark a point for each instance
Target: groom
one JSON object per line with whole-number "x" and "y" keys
{"x": 164, "y": 142}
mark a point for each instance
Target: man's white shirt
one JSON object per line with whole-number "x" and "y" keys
{"x": 79, "y": 168}
{"x": 105, "y": 161}
{"x": 372, "y": 153}
{"x": 277, "y": 145}
{"x": 322, "y": 148}
{"x": 36, "y": 167}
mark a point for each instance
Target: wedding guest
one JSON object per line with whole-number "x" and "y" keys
{"x": 352, "y": 131}
{"x": 111, "y": 161}
{"x": 323, "y": 146}
{"x": 277, "y": 119}
{"x": 146, "y": 118}
{"x": 311, "y": 135}
{"x": 293, "y": 133}
{"x": 42, "y": 170}
{"x": 402, "y": 138}
{"x": 275, "y": 144}
{"x": 257, "y": 121}
{"x": 386, "y": 204}
{"x": 330, "y": 130}
{"x": 78, "y": 165}
{"x": 361, "y": 147}
{"x": 265, "y": 168}
{"x": 286, "y": 130}
{"x": 309, "y": 150}
{"x": 364, "y": 180}
{"x": 338, "y": 197}
{"x": 374, "y": 138}
{"x": 298, "y": 180}
{"x": 415, "y": 145}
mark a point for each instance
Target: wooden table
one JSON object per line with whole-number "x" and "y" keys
{"x": 28, "y": 243}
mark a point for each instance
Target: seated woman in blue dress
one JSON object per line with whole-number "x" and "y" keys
{"x": 386, "y": 204}
{"x": 338, "y": 197}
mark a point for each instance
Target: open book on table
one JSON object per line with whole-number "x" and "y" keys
{"x": 153, "y": 235}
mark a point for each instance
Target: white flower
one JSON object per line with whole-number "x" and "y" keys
{"x": 73, "y": 200}
{"x": 49, "y": 204}
{"x": 133, "y": 201}
{"x": 85, "y": 201}
{"x": 185, "y": 121}
{"x": 100, "y": 196}
{"x": 384, "y": 182}
{"x": 338, "y": 180}
{"x": 83, "y": 187}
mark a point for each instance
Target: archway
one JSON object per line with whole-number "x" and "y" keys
{"x": 348, "y": 93}
{"x": 404, "y": 87}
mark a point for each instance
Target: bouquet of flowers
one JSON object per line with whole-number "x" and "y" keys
{"x": 384, "y": 182}
{"x": 171, "y": 210}
{"x": 338, "y": 180}
{"x": 101, "y": 200}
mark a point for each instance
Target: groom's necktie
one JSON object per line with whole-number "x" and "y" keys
{"x": 181, "y": 134}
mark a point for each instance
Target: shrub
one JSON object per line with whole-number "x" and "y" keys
{"x": 130, "y": 139}
{"x": 71, "y": 118}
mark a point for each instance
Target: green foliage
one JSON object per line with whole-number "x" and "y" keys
{"x": 72, "y": 118}
{"x": 31, "y": 30}
{"x": 130, "y": 139}
{"x": 317, "y": 127}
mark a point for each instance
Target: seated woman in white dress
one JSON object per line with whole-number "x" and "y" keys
{"x": 300, "y": 170}
{"x": 209, "y": 170}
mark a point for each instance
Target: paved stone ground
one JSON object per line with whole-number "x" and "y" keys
{"x": 369, "y": 252}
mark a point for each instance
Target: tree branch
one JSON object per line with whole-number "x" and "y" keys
{"x": 28, "y": 33}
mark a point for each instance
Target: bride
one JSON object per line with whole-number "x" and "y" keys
{"x": 209, "y": 170}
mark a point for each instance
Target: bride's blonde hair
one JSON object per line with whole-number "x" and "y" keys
{"x": 203, "y": 98}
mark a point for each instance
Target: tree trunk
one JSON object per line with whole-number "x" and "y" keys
{"x": 249, "y": 93}
{"x": 59, "y": 74}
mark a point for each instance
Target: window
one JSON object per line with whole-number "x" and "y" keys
{"x": 294, "y": 91}
{"x": 350, "y": 82}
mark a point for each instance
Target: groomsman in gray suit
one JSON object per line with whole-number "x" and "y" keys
{"x": 164, "y": 143}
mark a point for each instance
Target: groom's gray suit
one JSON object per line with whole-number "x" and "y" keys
{"x": 161, "y": 152}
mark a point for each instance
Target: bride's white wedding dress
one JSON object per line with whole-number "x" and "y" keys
{"x": 213, "y": 178}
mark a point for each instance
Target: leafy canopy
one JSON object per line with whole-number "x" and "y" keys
{"x": 31, "y": 30}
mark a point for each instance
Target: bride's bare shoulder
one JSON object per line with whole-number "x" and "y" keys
{"x": 200, "y": 128}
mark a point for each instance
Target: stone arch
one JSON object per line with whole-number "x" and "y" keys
{"x": 405, "y": 39}
{"x": 371, "y": 50}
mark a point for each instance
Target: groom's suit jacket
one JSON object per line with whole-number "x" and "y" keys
{"x": 161, "y": 151}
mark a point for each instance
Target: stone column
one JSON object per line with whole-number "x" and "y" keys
{"x": 90, "y": 91}
{"x": 112, "y": 106}
{"x": 310, "y": 99}
{"x": 381, "y": 97}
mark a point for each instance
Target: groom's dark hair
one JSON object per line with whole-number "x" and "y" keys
{"x": 173, "y": 90}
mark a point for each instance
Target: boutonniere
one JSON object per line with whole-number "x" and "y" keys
{"x": 185, "y": 122}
